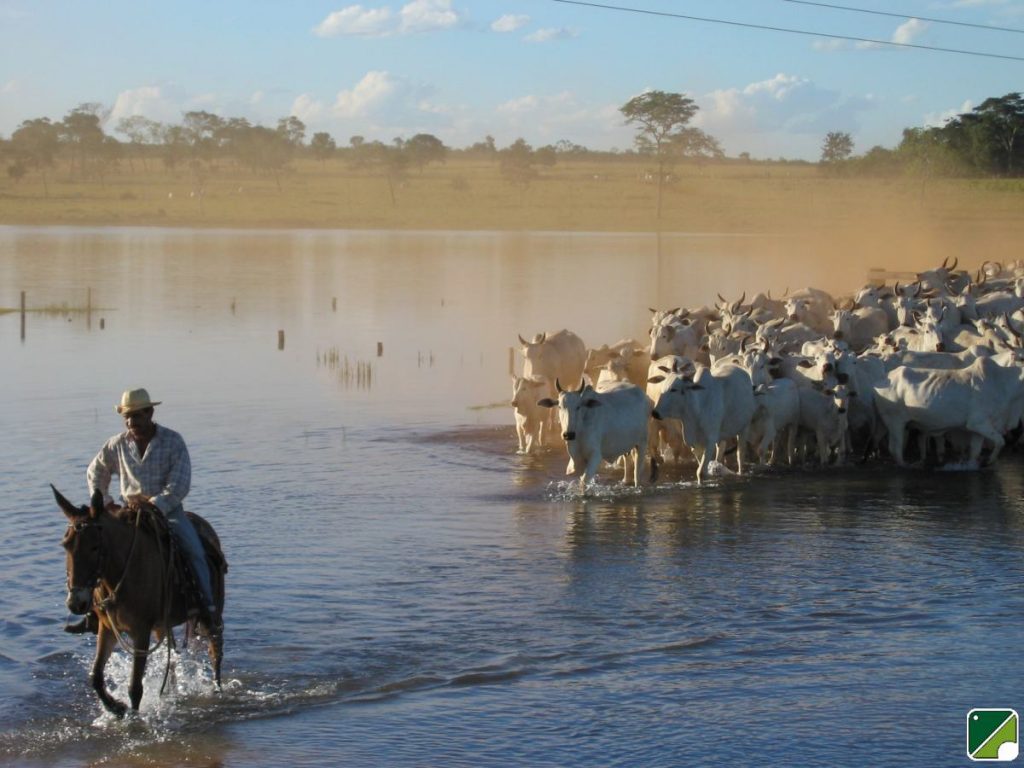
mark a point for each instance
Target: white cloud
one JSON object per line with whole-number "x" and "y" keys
{"x": 939, "y": 119}
{"x": 781, "y": 111}
{"x": 150, "y": 101}
{"x": 307, "y": 108}
{"x": 909, "y": 31}
{"x": 519, "y": 105}
{"x": 905, "y": 34}
{"x": 11, "y": 86}
{"x": 370, "y": 92}
{"x": 356, "y": 20}
{"x": 547, "y": 34}
{"x": 510, "y": 23}
{"x": 428, "y": 15}
{"x": 416, "y": 16}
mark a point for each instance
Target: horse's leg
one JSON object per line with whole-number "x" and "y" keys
{"x": 104, "y": 646}
{"x": 139, "y": 658}
{"x": 216, "y": 649}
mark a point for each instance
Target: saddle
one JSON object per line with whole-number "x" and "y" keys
{"x": 150, "y": 519}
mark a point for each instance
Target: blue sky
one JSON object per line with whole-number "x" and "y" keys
{"x": 536, "y": 69}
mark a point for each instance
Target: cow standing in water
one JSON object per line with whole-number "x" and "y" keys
{"x": 602, "y": 426}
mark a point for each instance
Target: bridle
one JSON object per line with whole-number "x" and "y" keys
{"x": 78, "y": 526}
{"x": 94, "y": 579}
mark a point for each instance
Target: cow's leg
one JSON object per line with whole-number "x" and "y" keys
{"x": 989, "y": 433}
{"x": 140, "y": 656}
{"x": 823, "y": 447}
{"x": 702, "y": 451}
{"x": 593, "y": 464}
{"x": 896, "y": 442}
{"x": 521, "y": 435}
{"x": 639, "y": 456}
{"x": 791, "y": 431}
{"x": 105, "y": 640}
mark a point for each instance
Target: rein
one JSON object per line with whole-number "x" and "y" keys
{"x": 109, "y": 600}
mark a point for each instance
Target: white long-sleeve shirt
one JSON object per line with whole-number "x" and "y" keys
{"x": 163, "y": 474}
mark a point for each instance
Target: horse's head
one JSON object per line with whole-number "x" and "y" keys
{"x": 84, "y": 547}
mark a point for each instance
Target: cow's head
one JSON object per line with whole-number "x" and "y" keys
{"x": 574, "y": 407}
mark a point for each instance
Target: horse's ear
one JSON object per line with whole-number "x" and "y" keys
{"x": 69, "y": 509}
{"x": 96, "y": 503}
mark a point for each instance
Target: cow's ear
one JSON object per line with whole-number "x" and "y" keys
{"x": 805, "y": 364}
{"x": 547, "y": 402}
{"x": 591, "y": 402}
{"x": 656, "y": 379}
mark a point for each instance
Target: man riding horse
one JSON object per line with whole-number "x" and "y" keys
{"x": 153, "y": 465}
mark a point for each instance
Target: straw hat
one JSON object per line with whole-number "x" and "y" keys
{"x": 134, "y": 400}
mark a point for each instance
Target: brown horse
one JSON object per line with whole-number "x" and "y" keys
{"x": 119, "y": 565}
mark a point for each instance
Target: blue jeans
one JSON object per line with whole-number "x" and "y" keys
{"x": 185, "y": 536}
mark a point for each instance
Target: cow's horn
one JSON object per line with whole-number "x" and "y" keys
{"x": 523, "y": 341}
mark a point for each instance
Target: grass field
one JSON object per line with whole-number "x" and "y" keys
{"x": 471, "y": 195}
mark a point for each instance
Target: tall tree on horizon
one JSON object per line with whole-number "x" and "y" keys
{"x": 660, "y": 118}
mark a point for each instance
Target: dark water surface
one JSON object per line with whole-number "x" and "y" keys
{"x": 405, "y": 590}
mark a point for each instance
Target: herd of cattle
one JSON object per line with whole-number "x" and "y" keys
{"x": 804, "y": 378}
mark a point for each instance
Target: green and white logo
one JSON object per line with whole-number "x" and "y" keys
{"x": 993, "y": 735}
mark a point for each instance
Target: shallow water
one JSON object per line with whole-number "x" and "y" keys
{"x": 405, "y": 590}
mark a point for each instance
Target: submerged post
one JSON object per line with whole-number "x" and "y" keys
{"x": 280, "y": 339}
{"x": 380, "y": 349}
{"x": 22, "y": 315}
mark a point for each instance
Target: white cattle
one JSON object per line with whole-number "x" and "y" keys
{"x": 859, "y": 327}
{"x": 935, "y": 280}
{"x": 602, "y": 426}
{"x": 676, "y": 336}
{"x": 560, "y": 356}
{"x": 776, "y": 418}
{"x": 713, "y": 405}
{"x": 874, "y": 297}
{"x": 666, "y": 432}
{"x": 784, "y": 336}
{"x": 600, "y": 357}
{"x": 812, "y": 307}
{"x": 823, "y": 413}
{"x": 533, "y": 421}
{"x": 984, "y": 399}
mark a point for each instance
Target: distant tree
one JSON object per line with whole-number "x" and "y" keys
{"x": 694, "y": 143}
{"x": 517, "y": 164}
{"x": 992, "y": 135}
{"x": 34, "y": 145}
{"x": 204, "y": 133}
{"x": 139, "y": 130}
{"x": 265, "y": 151}
{"x": 659, "y": 117}
{"x": 838, "y": 146}
{"x": 423, "y": 148}
{"x": 486, "y": 148}
{"x": 566, "y": 147}
{"x": 292, "y": 129}
{"x": 322, "y": 146}
{"x": 175, "y": 146}
{"x": 81, "y": 130}
{"x": 546, "y": 156}
{"x": 389, "y": 161}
